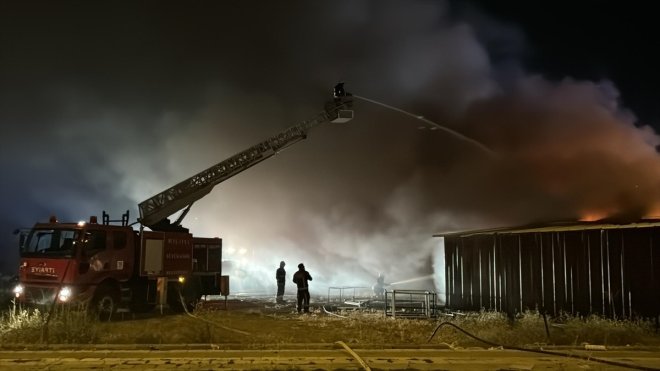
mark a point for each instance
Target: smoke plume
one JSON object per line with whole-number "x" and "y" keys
{"x": 353, "y": 199}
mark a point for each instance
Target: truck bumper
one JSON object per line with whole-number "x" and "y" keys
{"x": 46, "y": 295}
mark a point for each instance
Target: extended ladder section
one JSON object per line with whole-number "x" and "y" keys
{"x": 155, "y": 210}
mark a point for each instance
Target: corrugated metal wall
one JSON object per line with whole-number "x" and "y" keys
{"x": 615, "y": 272}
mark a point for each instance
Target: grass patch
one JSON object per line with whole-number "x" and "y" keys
{"x": 529, "y": 329}
{"x": 61, "y": 325}
{"x": 260, "y": 326}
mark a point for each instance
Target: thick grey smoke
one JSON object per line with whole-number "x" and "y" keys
{"x": 182, "y": 90}
{"x": 567, "y": 151}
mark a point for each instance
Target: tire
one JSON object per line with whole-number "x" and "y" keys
{"x": 105, "y": 303}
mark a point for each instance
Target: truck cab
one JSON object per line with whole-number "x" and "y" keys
{"x": 67, "y": 261}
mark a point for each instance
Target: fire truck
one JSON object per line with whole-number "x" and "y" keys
{"x": 111, "y": 264}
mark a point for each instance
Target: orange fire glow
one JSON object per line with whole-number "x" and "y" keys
{"x": 653, "y": 213}
{"x": 596, "y": 215}
{"x": 593, "y": 216}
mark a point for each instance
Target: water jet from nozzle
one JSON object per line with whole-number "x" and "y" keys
{"x": 416, "y": 279}
{"x": 435, "y": 125}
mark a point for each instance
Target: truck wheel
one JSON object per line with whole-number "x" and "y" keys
{"x": 105, "y": 303}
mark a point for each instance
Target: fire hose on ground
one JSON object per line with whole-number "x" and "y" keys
{"x": 541, "y": 351}
{"x": 185, "y": 308}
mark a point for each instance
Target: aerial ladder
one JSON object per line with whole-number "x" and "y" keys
{"x": 154, "y": 212}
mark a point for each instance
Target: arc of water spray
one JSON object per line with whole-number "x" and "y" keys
{"x": 476, "y": 143}
{"x": 422, "y": 278}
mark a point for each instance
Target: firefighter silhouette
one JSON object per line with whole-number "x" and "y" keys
{"x": 379, "y": 287}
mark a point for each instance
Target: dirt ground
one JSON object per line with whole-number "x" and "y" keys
{"x": 260, "y": 322}
{"x": 257, "y": 333}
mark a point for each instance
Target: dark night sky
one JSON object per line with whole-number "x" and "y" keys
{"x": 103, "y": 104}
{"x": 591, "y": 39}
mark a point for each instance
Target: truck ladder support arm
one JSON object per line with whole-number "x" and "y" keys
{"x": 157, "y": 208}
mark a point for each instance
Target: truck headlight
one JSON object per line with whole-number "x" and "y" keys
{"x": 18, "y": 290}
{"x": 65, "y": 294}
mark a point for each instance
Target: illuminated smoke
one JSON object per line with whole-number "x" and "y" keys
{"x": 352, "y": 200}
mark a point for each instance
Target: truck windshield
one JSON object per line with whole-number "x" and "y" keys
{"x": 50, "y": 242}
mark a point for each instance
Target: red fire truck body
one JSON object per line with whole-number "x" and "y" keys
{"x": 114, "y": 266}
